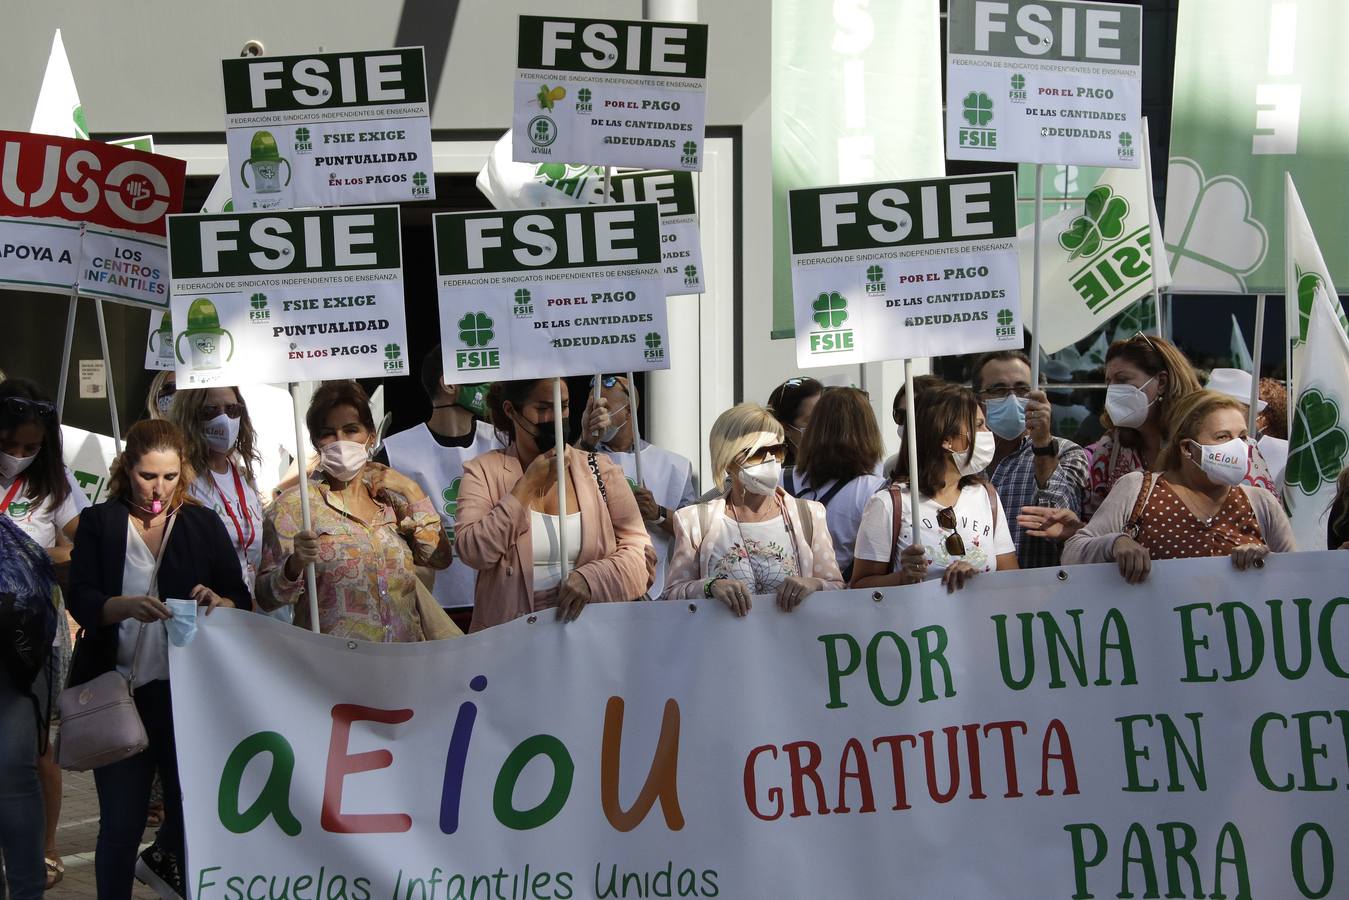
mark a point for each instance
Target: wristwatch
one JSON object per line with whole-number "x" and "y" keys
{"x": 1050, "y": 449}
{"x": 660, "y": 519}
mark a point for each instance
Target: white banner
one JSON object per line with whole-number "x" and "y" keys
{"x": 287, "y": 296}
{"x": 610, "y": 92}
{"x": 1036, "y": 735}
{"x": 551, "y": 292}
{"x": 328, "y": 129}
{"x": 906, "y": 268}
{"x": 1049, "y": 81}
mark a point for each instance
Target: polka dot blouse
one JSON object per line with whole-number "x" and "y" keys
{"x": 1169, "y": 530}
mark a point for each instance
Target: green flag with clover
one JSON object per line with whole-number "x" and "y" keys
{"x": 1305, "y": 275}
{"x": 1318, "y": 447}
{"x": 1095, "y": 258}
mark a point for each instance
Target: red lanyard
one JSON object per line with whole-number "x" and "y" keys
{"x": 13, "y": 492}
{"x": 243, "y": 507}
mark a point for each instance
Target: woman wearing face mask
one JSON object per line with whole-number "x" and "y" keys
{"x": 135, "y": 553}
{"x": 963, "y": 527}
{"x": 510, "y": 519}
{"x": 159, "y": 399}
{"x": 1193, "y": 505}
{"x": 754, "y": 539}
{"x": 39, "y": 495}
{"x": 221, "y": 453}
{"x": 1145, "y": 377}
{"x": 791, "y": 403}
{"x": 371, "y": 527}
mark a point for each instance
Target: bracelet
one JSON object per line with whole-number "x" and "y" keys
{"x": 707, "y": 586}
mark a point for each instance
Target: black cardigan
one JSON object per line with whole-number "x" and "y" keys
{"x": 198, "y": 552}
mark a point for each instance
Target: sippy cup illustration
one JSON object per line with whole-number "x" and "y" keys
{"x": 266, "y": 161}
{"x": 165, "y": 335}
{"x": 203, "y": 336}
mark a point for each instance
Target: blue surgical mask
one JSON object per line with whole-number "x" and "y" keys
{"x": 183, "y": 626}
{"x": 1006, "y": 416}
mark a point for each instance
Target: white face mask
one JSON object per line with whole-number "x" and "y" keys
{"x": 12, "y": 467}
{"x": 612, "y": 431}
{"x": 1127, "y": 405}
{"x": 1225, "y": 463}
{"x": 899, "y": 429}
{"x": 221, "y": 433}
{"x": 343, "y": 460}
{"x": 984, "y": 448}
{"x": 762, "y": 478}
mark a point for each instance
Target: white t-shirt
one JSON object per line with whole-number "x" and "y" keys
{"x": 974, "y": 522}
{"x": 544, "y": 537}
{"x": 218, "y": 491}
{"x": 439, "y": 471}
{"x": 669, "y": 478}
{"x": 761, "y": 554}
{"x": 844, "y": 510}
{"x": 154, "y": 652}
{"x": 42, "y": 521}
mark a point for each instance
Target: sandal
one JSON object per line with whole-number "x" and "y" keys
{"x": 56, "y": 870}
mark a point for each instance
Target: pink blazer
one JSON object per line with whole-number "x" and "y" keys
{"x": 492, "y": 534}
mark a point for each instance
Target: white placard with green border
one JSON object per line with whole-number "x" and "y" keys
{"x": 269, "y": 297}
{"x": 1049, "y": 81}
{"x": 551, "y": 292}
{"x": 902, "y": 269}
{"x": 681, "y": 246}
{"x": 610, "y": 92}
{"x": 328, "y": 129}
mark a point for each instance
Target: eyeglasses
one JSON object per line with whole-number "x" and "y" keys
{"x": 763, "y": 454}
{"x": 167, "y": 390}
{"x": 22, "y": 408}
{"x": 233, "y": 410}
{"x": 955, "y": 544}
{"x": 998, "y": 391}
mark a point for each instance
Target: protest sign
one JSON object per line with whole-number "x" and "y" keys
{"x": 85, "y": 212}
{"x": 287, "y": 296}
{"x": 1049, "y": 81}
{"x": 610, "y": 92}
{"x": 328, "y": 129}
{"x": 1039, "y": 735}
{"x": 551, "y": 292}
{"x": 159, "y": 342}
{"x": 681, "y": 247}
{"x": 89, "y": 458}
{"x": 905, "y": 268}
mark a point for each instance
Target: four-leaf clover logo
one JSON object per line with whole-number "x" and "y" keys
{"x": 831, "y": 310}
{"x": 393, "y": 351}
{"x": 690, "y": 148}
{"x": 583, "y": 95}
{"x": 1005, "y": 317}
{"x": 1319, "y": 444}
{"x": 1018, "y": 82}
{"x": 522, "y": 296}
{"x": 978, "y": 108}
{"x": 690, "y": 271}
{"x": 450, "y": 496}
{"x": 652, "y": 339}
{"x": 1126, "y": 139}
{"x": 475, "y": 329}
{"x": 302, "y": 135}
{"x": 1221, "y": 242}
{"x": 1102, "y": 219}
{"x": 419, "y": 179}
{"x": 258, "y": 301}
{"x": 875, "y": 274}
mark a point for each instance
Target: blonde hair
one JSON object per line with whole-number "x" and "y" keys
{"x": 156, "y": 385}
{"x": 733, "y": 433}
{"x": 1184, "y": 420}
{"x": 186, "y": 414}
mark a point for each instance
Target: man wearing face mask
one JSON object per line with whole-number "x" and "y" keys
{"x": 372, "y": 526}
{"x": 1031, "y": 468}
{"x": 1193, "y": 504}
{"x": 667, "y": 477}
{"x": 433, "y": 455}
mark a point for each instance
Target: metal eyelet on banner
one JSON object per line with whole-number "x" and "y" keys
{"x": 877, "y": 596}
{"x": 693, "y": 607}
{"x": 532, "y": 619}
{"x": 1063, "y": 575}
{"x": 351, "y": 645}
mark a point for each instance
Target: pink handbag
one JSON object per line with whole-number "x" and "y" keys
{"x": 100, "y": 724}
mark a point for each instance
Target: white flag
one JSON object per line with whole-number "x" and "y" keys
{"x": 219, "y": 199}
{"x": 58, "y": 103}
{"x": 1305, "y": 274}
{"x": 1241, "y": 357}
{"x": 1319, "y": 447}
{"x": 1095, "y": 259}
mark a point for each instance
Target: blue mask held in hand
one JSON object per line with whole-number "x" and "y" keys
{"x": 1006, "y": 416}
{"x": 183, "y": 626}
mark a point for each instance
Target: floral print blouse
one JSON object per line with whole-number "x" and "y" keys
{"x": 365, "y": 573}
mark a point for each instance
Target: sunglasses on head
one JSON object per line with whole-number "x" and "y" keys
{"x": 955, "y": 544}
{"x": 233, "y": 410}
{"x": 22, "y": 408}
{"x": 608, "y": 381}
{"x": 763, "y": 454}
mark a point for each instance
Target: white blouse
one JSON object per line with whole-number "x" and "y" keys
{"x": 137, "y": 570}
{"x": 544, "y": 533}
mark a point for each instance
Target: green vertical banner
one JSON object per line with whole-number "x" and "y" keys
{"x": 856, "y": 98}
{"x": 1259, "y": 90}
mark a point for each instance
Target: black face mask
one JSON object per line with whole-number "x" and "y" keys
{"x": 545, "y": 437}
